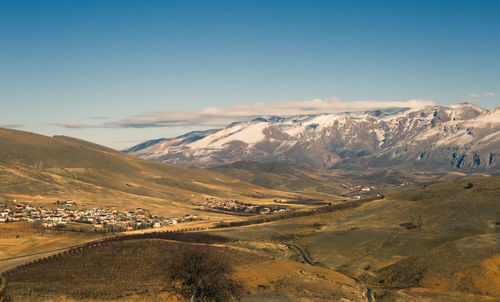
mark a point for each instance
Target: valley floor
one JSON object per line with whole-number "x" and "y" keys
{"x": 435, "y": 243}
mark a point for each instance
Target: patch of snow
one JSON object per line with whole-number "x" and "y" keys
{"x": 493, "y": 137}
{"x": 250, "y": 133}
{"x": 429, "y": 133}
{"x": 207, "y": 141}
{"x": 457, "y": 139}
{"x": 492, "y": 117}
{"x": 380, "y": 135}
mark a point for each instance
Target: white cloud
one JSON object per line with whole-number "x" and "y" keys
{"x": 476, "y": 95}
{"x": 219, "y": 117}
{"x": 473, "y": 95}
{"x": 76, "y": 125}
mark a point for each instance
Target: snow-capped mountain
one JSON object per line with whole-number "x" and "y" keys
{"x": 462, "y": 136}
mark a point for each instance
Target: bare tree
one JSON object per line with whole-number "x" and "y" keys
{"x": 201, "y": 273}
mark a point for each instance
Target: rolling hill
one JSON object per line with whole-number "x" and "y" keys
{"x": 439, "y": 242}
{"x": 346, "y": 183}
{"x": 118, "y": 272}
{"x": 283, "y": 176}
{"x": 39, "y": 168}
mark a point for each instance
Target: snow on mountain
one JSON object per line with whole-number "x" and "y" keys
{"x": 461, "y": 136}
{"x": 249, "y": 133}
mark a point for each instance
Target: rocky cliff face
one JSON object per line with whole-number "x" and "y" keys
{"x": 463, "y": 136}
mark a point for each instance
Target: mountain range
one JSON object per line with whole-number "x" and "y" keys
{"x": 462, "y": 137}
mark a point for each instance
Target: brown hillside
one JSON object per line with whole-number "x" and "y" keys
{"x": 119, "y": 271}
{"x": 41, "y": 168}
{"x": 439, "y": 242}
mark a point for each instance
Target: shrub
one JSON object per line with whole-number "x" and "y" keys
{"x": 197, "y": 273}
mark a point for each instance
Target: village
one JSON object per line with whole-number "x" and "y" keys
{"x": 237, "y": 206}
{"x": 109, "y": 220}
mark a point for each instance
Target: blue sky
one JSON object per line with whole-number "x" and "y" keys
{"x": 77, "y": 67}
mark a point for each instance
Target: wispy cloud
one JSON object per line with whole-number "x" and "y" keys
{"x": 77, "y": 125}
{"x": 218, "y": 117}
{"x": 478, "y": 95}
{"x": 472, "y": 95}
{"x": 12, "y": 126}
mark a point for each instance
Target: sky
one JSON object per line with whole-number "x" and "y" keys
{"x": 121, "y": 72}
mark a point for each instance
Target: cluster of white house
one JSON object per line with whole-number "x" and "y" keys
{"x": 237, "y": 206}
{"x": 66, "y": 212}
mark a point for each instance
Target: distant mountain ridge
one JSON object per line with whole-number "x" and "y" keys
{"x": 457, "y": 137}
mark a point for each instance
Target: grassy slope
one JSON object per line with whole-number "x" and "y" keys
{"x": 119, "y": 271}
{"x": 454, "y": 247}
{"x": 21, "y": 239}
{"x": 451, "y": 254}
{"x": 36, "y": 167}
{"x": 283, "y": 176}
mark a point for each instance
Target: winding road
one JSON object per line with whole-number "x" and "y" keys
{"x": 369, "y": 295}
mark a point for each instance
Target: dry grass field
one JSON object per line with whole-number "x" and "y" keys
{"x": 20, "y": 238}
{"x": 439, "y": 242}
{"x": 134, "y": 271}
